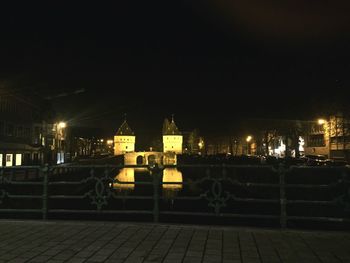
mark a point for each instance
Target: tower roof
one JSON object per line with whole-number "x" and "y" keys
{"x": 170, "y": 128}
{"x": 125, "y": 130}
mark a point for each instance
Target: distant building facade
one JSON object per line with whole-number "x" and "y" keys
{"x": 85, "y": 142}
{"x": 172, "y": 137}
{"x": 331, "y": 137}
{"x": 22, "y": 138}
{"x": 125, "y": 139}
{"x": 317, "y": 140}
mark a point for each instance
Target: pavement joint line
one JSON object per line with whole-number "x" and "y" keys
{"x": 216, "y": 227}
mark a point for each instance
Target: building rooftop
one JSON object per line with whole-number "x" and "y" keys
{"x": 125, "y": 130}
{"x": 170, "y": 128}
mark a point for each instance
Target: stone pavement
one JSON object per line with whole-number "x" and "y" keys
{"x": 73, "y": 241}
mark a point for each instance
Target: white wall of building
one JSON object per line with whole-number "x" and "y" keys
{"x": 172, "y": 143}
{"x": 124, "y": 144}
{"x": 18, "y": 159}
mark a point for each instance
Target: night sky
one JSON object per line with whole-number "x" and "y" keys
{"x": 210, "y": 63}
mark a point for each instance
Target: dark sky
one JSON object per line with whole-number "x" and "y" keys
{"x": 208, "y": 62}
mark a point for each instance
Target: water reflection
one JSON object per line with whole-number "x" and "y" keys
{"x": 170, "y": 175}
{"x": 125, "y": 175}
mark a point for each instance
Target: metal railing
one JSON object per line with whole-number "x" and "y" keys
{"x": 284, "y": 195}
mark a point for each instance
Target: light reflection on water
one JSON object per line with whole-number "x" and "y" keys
{"x": 174, "y": 176}
{"x": 127, "y": 177}
{"x": 171, "y": 175}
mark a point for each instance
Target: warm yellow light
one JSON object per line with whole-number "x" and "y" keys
{"x": 62, "y": 125}
{"x": 321, "y": 121}
{"x": 200, "y": 145}
{"x": 249, "y": 138}
{"x": 125, "y": 179}
{"x": 172, "y": 176}
{"x": 101, "y": 140}
{"x": 109, "y": 142}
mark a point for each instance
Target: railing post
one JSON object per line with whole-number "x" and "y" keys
{"x": 283, "y": 203}
{"x": 155, "y": 173}
{"x": 45, "y": 171}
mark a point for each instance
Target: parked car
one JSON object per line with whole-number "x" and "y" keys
{"x": 336, "y": 162}
{"x": 315, "y": 160}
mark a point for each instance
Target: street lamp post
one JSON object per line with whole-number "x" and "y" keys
{"x": 248, "y": 140}
{"x": 326, "y": 125}
{"x": 60, "y": 137}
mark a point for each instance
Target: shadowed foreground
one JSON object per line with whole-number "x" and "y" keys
{"x": 62, "y": 241}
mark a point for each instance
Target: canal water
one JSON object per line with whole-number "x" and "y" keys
{"x": 171, "y": 180}
{"x": 197, "y": 190}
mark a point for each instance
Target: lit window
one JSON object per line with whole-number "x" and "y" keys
{"x": 8, "y": 159}
{"x": 18, "y": 159}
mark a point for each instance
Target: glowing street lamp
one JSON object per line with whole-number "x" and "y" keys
{"x": 248, "y": 140}
{"x": 62, "y": 125}
{"x": 321, "y": 121}
{"x": 200, "y": 145}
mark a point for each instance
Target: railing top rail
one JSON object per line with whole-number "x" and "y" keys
{"x": 341, "y": 168}
{"x": 165, "y": 166}
{"x": 20, "y": 167}
{"x": 208, "y": 166}
{"x": 223, "y": 166}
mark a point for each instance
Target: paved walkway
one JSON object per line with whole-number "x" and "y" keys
{"x": 38, "y": 241}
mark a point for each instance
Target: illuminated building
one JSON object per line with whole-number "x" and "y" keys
{"x": 124, "y": 144}
{"x": 338, "y": 133}
{"x": 317, "y": 139}
{"x": 22, "y": 138}
{"x": 124, "y": 140}
{"x": 329, "y": 137}
{"x": 172, "y": 137}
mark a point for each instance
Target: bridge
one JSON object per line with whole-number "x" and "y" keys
{"x": 147, "y": 158}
